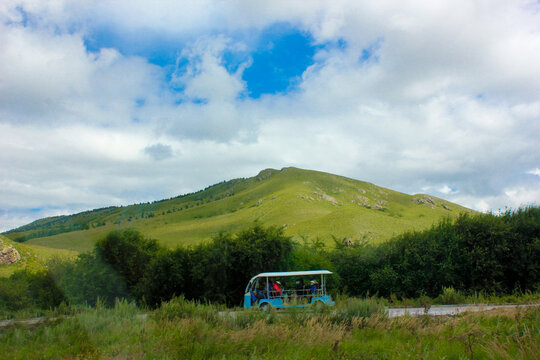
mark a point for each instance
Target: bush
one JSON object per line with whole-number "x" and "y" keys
{"x": 348, "y": 309}
{"x": 472, "y": 253}
{"x": 129, "y": 253}
{"x": 25, "y": 290}
{"x": 89, "y": 279}
{"x": 221, "y": 269}
{"x": 450, "y": 296}
{"x": 167, "y": 275}
{"x": 179, "y": 307}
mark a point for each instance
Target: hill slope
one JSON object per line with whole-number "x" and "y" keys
{"x": 306, "y": 203}
{"x": 32, "y": 257}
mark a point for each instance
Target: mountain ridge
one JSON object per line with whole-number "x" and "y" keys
{"x": 306, "y": 203}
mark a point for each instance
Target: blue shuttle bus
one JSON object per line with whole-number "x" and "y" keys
{"x": 287, "y": 289}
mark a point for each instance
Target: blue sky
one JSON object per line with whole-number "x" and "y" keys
{"x": 281, "y": 56}
{"x": 278, "y": 54}
{"x": 113, "y": 103}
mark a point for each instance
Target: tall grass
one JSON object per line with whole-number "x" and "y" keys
{"x": 179, "y": 307}
{"x": 354, "y": 329}
{"x": 350, "y": 311}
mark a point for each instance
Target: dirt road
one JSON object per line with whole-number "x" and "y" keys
{"x": 438, "y": 310}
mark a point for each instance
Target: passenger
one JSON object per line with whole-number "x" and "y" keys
{"x": 278, "y": 290}
{"x": 257, "y": 295}
{"x": 314, "y": 287}
{"x": 300, "y": 288}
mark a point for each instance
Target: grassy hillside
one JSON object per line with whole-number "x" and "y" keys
{"x": 306, "y": 203}
{"x": 33, "y": 257}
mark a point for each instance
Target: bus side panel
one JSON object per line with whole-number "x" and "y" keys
{"x": 324, "y": 299}
{"x": 247, "y": 301}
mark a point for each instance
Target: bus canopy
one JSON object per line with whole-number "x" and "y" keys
{"x": 293, "y": 273}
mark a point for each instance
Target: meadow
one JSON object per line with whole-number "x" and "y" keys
{"x": 34, "y": 257}
{"x": 354, "y": 329}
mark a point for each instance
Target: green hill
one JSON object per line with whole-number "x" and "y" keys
{"x": 32, "y": 257}
{"x": 306, "y": 203}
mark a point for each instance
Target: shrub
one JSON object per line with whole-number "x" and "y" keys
{"x": 221, "y": 269}
{"x": 88, "y": 279}
{"x": 129, "y": 253}
{"x": 450, "y": 296}
{"x": 167, "y": 275}
{"x": 179, "y": 307}
{"x": 348, "y": 309}
{"x": 25, "y": 290}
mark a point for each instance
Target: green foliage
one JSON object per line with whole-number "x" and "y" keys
{"x": 88, "y": 280}
{"x": 484, "y": 255}
{"x": 348, "y": 310}
{"x": 179, "y": 307}
{"x": 222, "y": 268}
{"x": 450, "y": 295}
{"x": 167, "y": 275}
{"x": 124, "y": 264}
{"x": 29, "y": 290}
{"x": 493, "y": 254}
{"x": 130, "y": 254}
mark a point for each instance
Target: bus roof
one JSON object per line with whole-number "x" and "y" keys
{"x": 293, "y": 273}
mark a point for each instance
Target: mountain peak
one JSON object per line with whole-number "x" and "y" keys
{"x": 266, "y": 173}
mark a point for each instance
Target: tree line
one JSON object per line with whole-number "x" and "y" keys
{"x": 472, "y": 253}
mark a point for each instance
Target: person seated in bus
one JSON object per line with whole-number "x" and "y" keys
{"x": 257, "y": 294}
{"x": 300, "y": 288}
{"x": 314, "y": 287}
{"x": 278, "y": 290}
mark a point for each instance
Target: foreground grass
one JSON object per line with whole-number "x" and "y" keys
{"x": 182, "y": 329}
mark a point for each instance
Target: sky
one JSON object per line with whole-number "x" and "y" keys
{"x": 118, "y": 102}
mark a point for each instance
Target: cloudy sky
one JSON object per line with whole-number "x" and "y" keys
{"x": 118, "y": 102}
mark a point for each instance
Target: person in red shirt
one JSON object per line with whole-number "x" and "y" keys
{"x": 278, "y": 290}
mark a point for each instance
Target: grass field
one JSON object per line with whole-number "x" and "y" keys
{"x": 306, "y": 203}
{"x": 357, "y": 329}
{"x": 33, "y": 257}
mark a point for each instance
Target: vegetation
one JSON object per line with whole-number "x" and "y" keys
{"x": 306, "y": 203}
{"x": 33, "y": 257}
{"x": 183, "y": 329}
{"x": 479, "y": 255}
{"x": 96, "y": 301}
{"x": 482, "y": 253}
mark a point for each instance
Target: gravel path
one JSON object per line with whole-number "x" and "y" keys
{"x": 439, "y": 310}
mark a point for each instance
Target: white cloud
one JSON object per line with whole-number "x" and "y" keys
{"x": 205, "y": 77}
{"x": 446, "y": 189}
{"x": 448, "y": 100}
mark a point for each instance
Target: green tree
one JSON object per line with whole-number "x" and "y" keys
{"x": 222, "y": 268}
{"x": 168, "y": 275}
{"x": 88, "y": 279}
{"x": 129, "y": 253}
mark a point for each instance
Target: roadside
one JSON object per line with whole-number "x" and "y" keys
{"x": 441, "y": 310}
{"x": 393, "y": 312}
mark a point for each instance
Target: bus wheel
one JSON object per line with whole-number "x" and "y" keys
{"x": 265, "y": 307}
